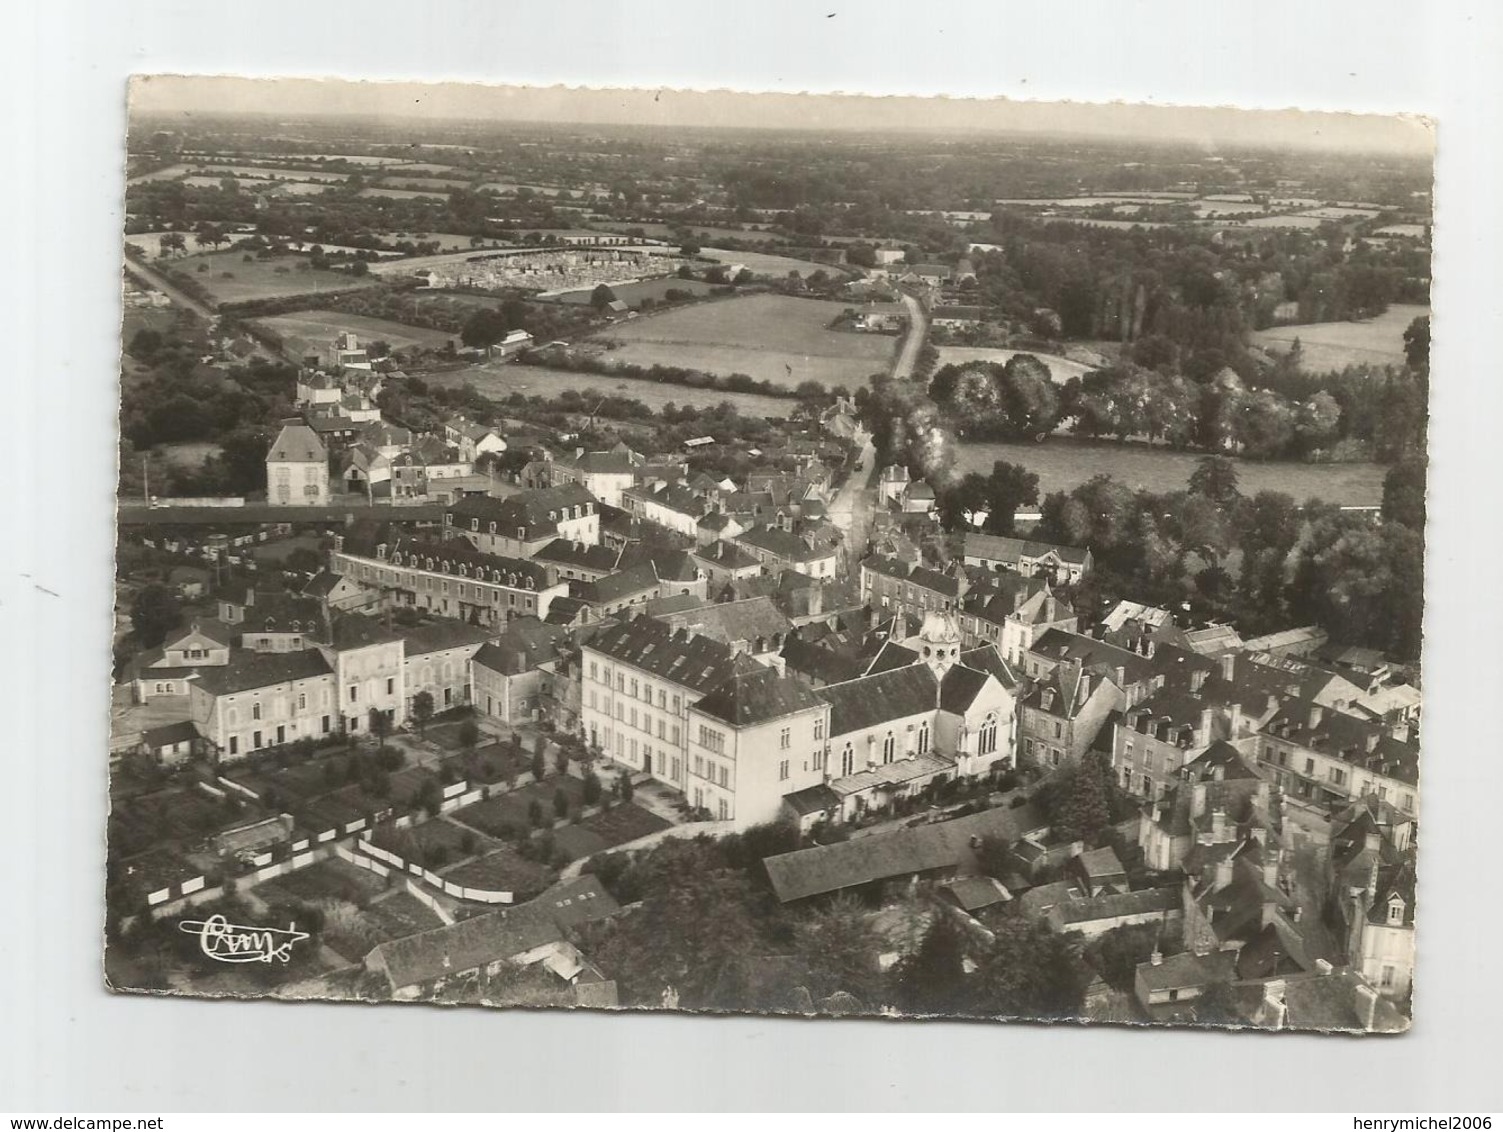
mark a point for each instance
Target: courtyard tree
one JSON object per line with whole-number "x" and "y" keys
{"x": 422, "y": 710}
{"x": 560, "y": 803}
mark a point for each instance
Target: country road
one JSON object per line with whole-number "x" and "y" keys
{"x": 913, "y": 342}
{"x": 155, "y": 279}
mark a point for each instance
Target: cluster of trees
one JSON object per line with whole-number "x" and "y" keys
{"x": 1359, "y": 578}
{"x": 575, "y": 361}
{"x": 1360, "y": 413}
{"x": 709, "y": 934}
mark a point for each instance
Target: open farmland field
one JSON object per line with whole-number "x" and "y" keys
{"x": 759, "y": 263}
{"x": 267, "y": 173}
{"x": 770, "y": 337}
{"x": 403, "y": 194}
{"x": 1060, "y": 369}
{"x": 701, "y": 233}
{"x": 396, "y": 181}
{"x": 261, "y": 278}
{"x": 498, "y": 380}
{"x": 633, "y": 293}
{"x": 1062, "y": 464}
{"x": 1330, "y": 346}
{"x": 326, "y": 324}
{"x": 166, "y": 174}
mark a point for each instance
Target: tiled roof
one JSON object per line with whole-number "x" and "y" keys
{"x": 436, "y": 636}
{"x": 880, "y": 856}
{"x": 484, "y": 939}
{"x": 753, "y": 695}
{"x": 1113, "y": 904}
{"x": 623, "y": 584}
{"x": 812, "y": 800}
{"x": 355, "y": 631}
{"x": 999, "y": 548}
{"x": 804, "y": 547}
{"x": 959, "y": 688}
{"x": 180, "y": 732}
{"x": 891, "y": 656}
{"x": 248, "y": 670}
{"x": 988, "y": 659}
{"x": 975, "y": 893}
{"x": 525, "y": 509}
{"x": 698, "y": 663}
{"x": 297, "y": 444}
{"x": 725, "y": 555}
{"x": 1187, "y": 969}
{"x": 861, "y": 704}
{"x": 1360, "y": 742}
{"x": 752, "y": 619}
{"x": 923, "y": 576}
{"x": 563, "y": 552}
{"x": 449, "y": 555}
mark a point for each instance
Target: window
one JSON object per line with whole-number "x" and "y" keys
{"x": 255, "y": 711}
{"x": 1147, "y": 786}
{"x": 819, "y": 728}
{"x": 711, "y": 739}
{"x": 888, "y": 745}
{"x": 725, "y": 809}
{"x": 647, "y": 692}
{"x": 675, "y": 733}
{"x": 847, "y": 760}
{"x": 391, "y": 686}
{"x": 1396, "y": 912}
{"x": 785, "y": 740}
{"x": 725, "y": 775}
{"x": 699, "y": 766}
{"x": 1385, "y": 979}
{"x": 662, "y": 727}
{"x": 326, "y": 725}
{"x": 234, "y": 745}
{"x": 633, "y": 689}
{"x": 1058, "y": 729}
{"x": 1309, "y": 766}
{"x": 986, "y": 742}
{"x": 662, "y": 700}
{"x": 677, "y": 705}
{"x": 783, "y": 771}
{"x": 818, "y": 761}
{"x": 594, "y": 671}
{"x": 354, "y": 693}
{"x": 302, "y": 701}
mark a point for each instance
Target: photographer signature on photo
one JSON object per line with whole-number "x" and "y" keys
{"x": 236, "y": 943}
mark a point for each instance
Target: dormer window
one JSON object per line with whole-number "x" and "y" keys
{"x": 474, "y": 524}
{"x": 493, "y": 528}
{"x": 1396, "y": 912}
{"x": 522, "y": 534}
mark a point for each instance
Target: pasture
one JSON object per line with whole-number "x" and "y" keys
{"x": 267, "y": 172}
{"x": 1330, "y": 346}
{"x": 770, "y": 337}
{"x": 1062, "y": 463}
{"x": 633, "y": 293}
{"x": 321, "y": 324}
{"x": 229, "y": 279}
{"x": 190, "y": 454}
{"x": 396, "y": 181}
{"x": 759, "y": 263}
{"x": 499, "y": 380}
{"x": 1060, "y": 369}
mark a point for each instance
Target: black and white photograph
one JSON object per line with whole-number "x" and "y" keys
{"x": 636, "y": 550}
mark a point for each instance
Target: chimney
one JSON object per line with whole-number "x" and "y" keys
{"x": 816, "y": 601}
{"x": 1234, "y": 720}
{"x": 1370, "y": 741}
{"x": 1317, "y": 713}
{"x": 1218, "y": 774}
{"x": 1228, "y": 662}
{"x": 1203, "y": 735}
{"x": 1323, "y": 966}
{"x": 1085, "y": 686}
{"x": 1218, "y": 825}
{"x": 1373, "y": 842}
{"x": 1270, "y": 868}
{"x": 1150, "y": 648}
{"x": 1197, "y": 680}
{"x": 1157, "y": 957}
{"x": 1367, "y": 1007}
{"x": 1223, "y": 876}
{"x": 1198, "y": 800}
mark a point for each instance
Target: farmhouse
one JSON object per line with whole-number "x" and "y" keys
{"x": 297, "y": 467}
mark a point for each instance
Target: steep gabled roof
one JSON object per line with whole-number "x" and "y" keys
{"x": 753, "y": 695}
{"x": 959, "y": 688}
{"x": 858, "y": 705}
{"x": 297, "y": 444}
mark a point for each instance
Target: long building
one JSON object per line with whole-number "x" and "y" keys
{"x": 449, "y": 578}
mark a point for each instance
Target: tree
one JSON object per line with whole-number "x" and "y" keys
{"x": 561, "y": 759}
{"x": 839, "y": 948}
{"x": 1082, "y": 808}
{"x": 469, "y": 732}
{"x": 380, "y": 725}
{"x": 1027, "y": 971}
{"x": 601, "y": 297}
{"x": 691, "y": 936}
{"x": 483, "y": 329}
{"x": 931, "y": 980}
{"x": 592, "y": 788}
{"x": 1417, "y": 343}
{"x": 560, "y": 803}
{"x": 539, "y": 765}
{"x": 1215, "y": 478}
{"x": 422, "y": 710}
{"x": 624, "y": 781}
{"x": 154, "y": 613}
{"x": 1404, "y": 493}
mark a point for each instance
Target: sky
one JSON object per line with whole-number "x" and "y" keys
{"x": 303, "y": 97}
